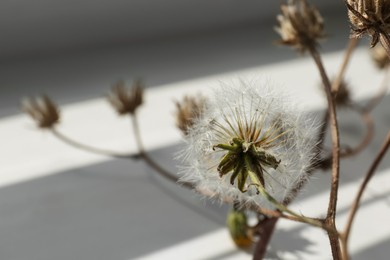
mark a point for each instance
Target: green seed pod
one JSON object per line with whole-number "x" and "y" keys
{"x": 237, "y": 224}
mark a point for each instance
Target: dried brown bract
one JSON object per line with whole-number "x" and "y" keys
{"x": 188, "y": 110}
{"x": 379, "y": 55}
{"x": 370, "y": 17}
{"x": 300, "y": 25}
{"x": 342, "y": 96}
{"x": 42, "y": 110}
{"x": 126, "y": 101}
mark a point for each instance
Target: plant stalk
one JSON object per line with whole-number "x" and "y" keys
{"x": 332, "y": 207}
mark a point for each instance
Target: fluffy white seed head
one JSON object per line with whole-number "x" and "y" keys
{"x": 259, "y": 116}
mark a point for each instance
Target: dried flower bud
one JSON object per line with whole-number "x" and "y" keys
{"x": 249, "y": 136}
{"x": 126, "y": 100}
{"x": 370, "y": 17}
{"x": 342, "y": 96}
{"x": 379, "y": 55}
{"x": 189, "y": 110}
{"x": 42, "y": 110}
{"x": 300, "y": 25}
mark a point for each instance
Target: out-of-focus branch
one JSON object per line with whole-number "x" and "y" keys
{"x": 331, "y": 215}
{"x": 347, "y": 57}
{"x": 89, "y": 148}
{"x": 145, "y": 156}
{"x": 355, "y": 205}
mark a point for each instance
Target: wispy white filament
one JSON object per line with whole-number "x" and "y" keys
{"x": 269, "y": 110}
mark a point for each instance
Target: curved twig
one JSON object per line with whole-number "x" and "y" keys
{"x": 144, "y": 155}
{"x": 381, "y": 93}
{"x": 367, "y": 119}
{"x": 355, "y": 205}
{"x": 332, "y": 207}
{"x": 88, "y": 148}
{"x": 347, "y": 57}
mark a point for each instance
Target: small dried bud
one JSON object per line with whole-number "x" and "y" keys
{"x": 379, "y": 55}
{"x": 370, "y": 17}
{"x": 42, "y": 110}
{"x": 300, "y": 25}
{"x": 126, "y": 100}
{"x": 342, "y": 96}
{"x": 190, "y": 109}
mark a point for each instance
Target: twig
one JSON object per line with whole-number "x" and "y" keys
{"x": 355, "y": 205}
{"x": 168, "y": 175}
{"x": 265, "y": 230}
{"x": 270, "y": 223}
{"x": 322, "y": 133}
{"x": 347, "y": 57}
{"x": 366, "y": 117}
{"x": 88, "y": 148}
{"x": 369, "y": 123}
{"x": 381, "y": 93}
{"x": 332, "y": 207}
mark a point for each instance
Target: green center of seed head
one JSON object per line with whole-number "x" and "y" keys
{"x": 243, "y": 157}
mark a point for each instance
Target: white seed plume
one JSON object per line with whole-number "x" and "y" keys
{"x": 237, "y": 111}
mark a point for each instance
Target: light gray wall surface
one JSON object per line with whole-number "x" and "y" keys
{"x": 32, "y": 27}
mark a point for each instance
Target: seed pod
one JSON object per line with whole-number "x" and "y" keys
{"x": 236, "y": 222}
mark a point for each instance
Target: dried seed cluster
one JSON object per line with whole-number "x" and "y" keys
{"x": 300, "y": 25}
{"x": 370, "y": 17}
{"x": 42, "y": 110}
{"x": 342, "y": 97}
{"x": 188, "y": 111}
{"x": 126, "y": 101}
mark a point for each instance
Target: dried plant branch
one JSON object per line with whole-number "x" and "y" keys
{"x": 364, "y": 112}
{"x": 168, "y": 175}
{"x": 144, "y": 155}
{"x": 369, "y": 123}
{"x": 347, "y": 57}
{"x": 332, "y": 207}
{"x": 381, "y": 93}
{"x": 334, "y": 132}
{"x": 355, "y": 205}
{"x": 367, "y": 119}
{"x": 88, "y": 148}
{"x": 265, "y": 231}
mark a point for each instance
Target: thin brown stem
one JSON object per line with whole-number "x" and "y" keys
{"x": 265, "y": 232}
{"x": 385, "y": 41}
{"x": 344, "y": 247}
{"x": 301, "y": 219}
{"x": 166, "y": 174}
{"x": 381, "y": 93}
{"x": 356, "y": 202}
{"x": 347, "y": 57}
{"x": 88, "y": 148}
{"x": 330, "y": 218}
{"x": 367, "y": 119}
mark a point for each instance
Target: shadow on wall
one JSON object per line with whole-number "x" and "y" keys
{"x": 120, "y": 209}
